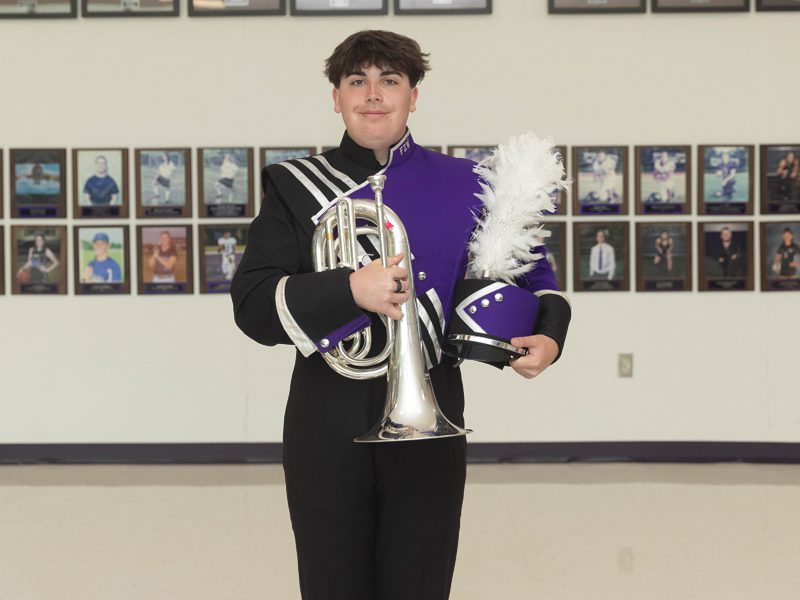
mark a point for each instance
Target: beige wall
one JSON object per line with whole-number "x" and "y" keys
{"x": 136, "y": 369}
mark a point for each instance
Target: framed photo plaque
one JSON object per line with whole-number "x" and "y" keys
{"x": 102, "y": 264}
{"x": 701, "y": 5}
{"x": 100, "y": 183}
{"x": 726, "y": 256}
{"x": 777, "y": 4}
{"x": 556, "y": 246}
{"x": 225, "y": 182}
{"x": 474, "y": 153}
{"x": 600, "y": 180}
{"x": 663, "y": 257}
{"x": 272, "y": 155}
{"x": 129, "y": 8}
{"x": 600, "y": 256}
{"x": 725, "y": 180}
{"x": 223, "y": 245}
{"x": 230, "y": 8}
{"x": 780, "y": 256}
{"x": 165, "y": 259}
{"x": 780, "y": 179}
{"x": 163, "y": 182}
{"x": 663, "y": 180}
{"x": 338, "y": 7}
{"x": 442, "y": 7}
{"x": 38, "y": 183}
{"x": 38, "y": 259}
{"x": 38, "y": 9}
{"x": 596, "y": 6}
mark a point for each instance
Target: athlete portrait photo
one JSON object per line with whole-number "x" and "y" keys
{"x": 663, "y": 257}
{"x": 780, "y": 252}
{"x": 237, "y": 7}
{"x": 165, "y": 264}
{"x": 101, "y": 260}
{"x": 725, "y": 182}
{"x": 344, "y": 7}
{"x": 222, "y": 250}
{"x": 163, "y": 182}
{"x": 38, "y": 183}
{"x": 99, "y": 182}
{"x": 726, "y": 256}
{"x": 780, "y": 179}
{"x": 225, "y": 181}
{"x": 600, "y": 256}
{"x": 663, "y": 180}
{"x": 600, "y": 180}
{"x": 39, "y": 260}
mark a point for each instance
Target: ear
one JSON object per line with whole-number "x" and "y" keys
{"x": 336, "y": 107}
{"x": 414, "y": 96}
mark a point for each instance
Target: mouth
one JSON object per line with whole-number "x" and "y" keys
{"x": 373, "y": 114}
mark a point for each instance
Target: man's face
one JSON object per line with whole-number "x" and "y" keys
{"x": 601, "y": 156}
{"x": 726, "y": 235}
{"x": 726, "y": 158}
{"x": 788, "y": 238}
{"x": 101, "y": 166}
{"x": 100, "y": 247}
{"x": 664, "y": 157}
{"x": 165, "y": 240}
{"x": 601, "y": 237}
{"x": 374, "y": 104}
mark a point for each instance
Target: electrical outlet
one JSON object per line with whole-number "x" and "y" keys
{"x": 625, "y": 365}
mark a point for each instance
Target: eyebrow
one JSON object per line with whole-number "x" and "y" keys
{"x": 364, "y": 74}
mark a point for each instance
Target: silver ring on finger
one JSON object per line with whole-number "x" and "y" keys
{"x": 398, "y": 286}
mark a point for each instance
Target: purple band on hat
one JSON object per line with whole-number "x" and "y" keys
{"x": 510, "y": 314}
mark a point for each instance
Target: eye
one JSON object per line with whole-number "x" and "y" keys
{"x": 390, "y": 81}
{"x": 357, "y": 82}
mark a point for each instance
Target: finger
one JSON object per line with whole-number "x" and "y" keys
{"x": 399, "y": 298}
{"x": 521, "y": 342}
{"x": 399, "y": 273}
{"x": 394, "y": 312}
{"x": 394, "y": 260}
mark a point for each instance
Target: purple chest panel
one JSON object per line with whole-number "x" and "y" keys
{"x": 434, "y": 197}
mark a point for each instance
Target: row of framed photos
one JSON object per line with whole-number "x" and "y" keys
{"x": 201, "y": 8}
{"x": 663, "y": 179}
{"x": 640, "y": 6}
{"x": 600, "y": 254}
{"x": 102, "y": 258}
{"x": 225, "y": 180}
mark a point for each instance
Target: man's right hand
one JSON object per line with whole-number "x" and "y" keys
{"x": 374, "y": 286}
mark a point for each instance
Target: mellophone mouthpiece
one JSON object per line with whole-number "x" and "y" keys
{"x": 376, "y": 182}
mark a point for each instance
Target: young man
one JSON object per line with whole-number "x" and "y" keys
{"x": 100, "y": 189}
{"x": 371, "y": 521}
{"x": 602, "y": 258}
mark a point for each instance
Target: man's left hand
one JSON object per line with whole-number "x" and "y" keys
{"x": 542, "y": 351}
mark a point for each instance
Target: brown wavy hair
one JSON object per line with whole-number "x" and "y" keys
{"x": 384, "y": 49}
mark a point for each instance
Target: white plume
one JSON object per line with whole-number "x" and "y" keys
{"x": 519, "y": 179}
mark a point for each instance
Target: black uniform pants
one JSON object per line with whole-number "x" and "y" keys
{"x": 371, "y": 521}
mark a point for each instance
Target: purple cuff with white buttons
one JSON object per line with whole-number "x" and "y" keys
{"x": 337, "y": 335}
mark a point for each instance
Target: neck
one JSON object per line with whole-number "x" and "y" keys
{"x": 382, "y": 155}
{"x": 102, "y": 257}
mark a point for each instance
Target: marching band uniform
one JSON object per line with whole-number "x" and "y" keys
{"x": 371, "y": 521}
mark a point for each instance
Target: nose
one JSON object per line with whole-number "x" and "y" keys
{"x": 374, "y": 92}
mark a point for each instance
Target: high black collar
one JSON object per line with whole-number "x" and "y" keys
{"x": 364, "y": 157}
